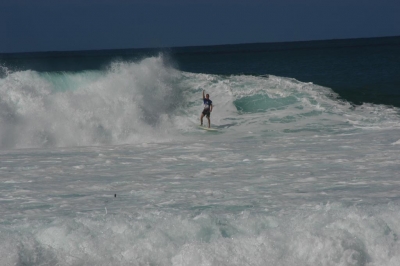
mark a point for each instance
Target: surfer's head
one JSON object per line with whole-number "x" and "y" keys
{"x": 207, "y": 95}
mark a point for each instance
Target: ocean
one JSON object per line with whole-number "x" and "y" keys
{"x": 102, "y": 161}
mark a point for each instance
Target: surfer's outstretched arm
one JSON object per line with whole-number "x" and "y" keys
{"x": 204, "y": 96}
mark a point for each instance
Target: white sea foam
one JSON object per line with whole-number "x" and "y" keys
{"x": 118, "y": 174}
{"x": 150, "y": 101}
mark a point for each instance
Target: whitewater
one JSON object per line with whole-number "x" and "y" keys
{"x": 108, "y": 167}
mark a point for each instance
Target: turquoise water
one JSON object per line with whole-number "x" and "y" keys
{"x": 106, "y": 165}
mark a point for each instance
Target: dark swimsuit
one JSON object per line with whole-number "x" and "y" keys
{"x": 206, "y": 112}
{"x": 207, "y": 104}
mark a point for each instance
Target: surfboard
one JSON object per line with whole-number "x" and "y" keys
{"x": 208, "y": 129}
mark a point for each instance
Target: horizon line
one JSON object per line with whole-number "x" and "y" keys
{"x": 189, "y": 46}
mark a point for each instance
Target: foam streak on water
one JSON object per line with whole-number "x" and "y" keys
{"x": 284, "y": 203}
{"x": 117, "y": 173}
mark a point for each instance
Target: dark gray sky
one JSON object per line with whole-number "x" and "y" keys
{"x": 57, "y": 25}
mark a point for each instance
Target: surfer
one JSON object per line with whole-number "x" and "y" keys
{"x": 207, "y": 109}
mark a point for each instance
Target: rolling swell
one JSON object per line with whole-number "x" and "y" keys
{"x": 360, "y": 70}
{"x": 151, "y": 101}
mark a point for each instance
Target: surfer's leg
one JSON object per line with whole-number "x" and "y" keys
{"x": 209, "y": 123}
{"x": 201, "y": 119}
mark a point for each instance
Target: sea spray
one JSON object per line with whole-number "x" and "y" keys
{"x": 149, "y": 100}
{"x": 123, "y": 104}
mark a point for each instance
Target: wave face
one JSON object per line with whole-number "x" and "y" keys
{"x": 149, "y": 100}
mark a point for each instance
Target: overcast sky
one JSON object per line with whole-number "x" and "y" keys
{"x": 58, "y": 25}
